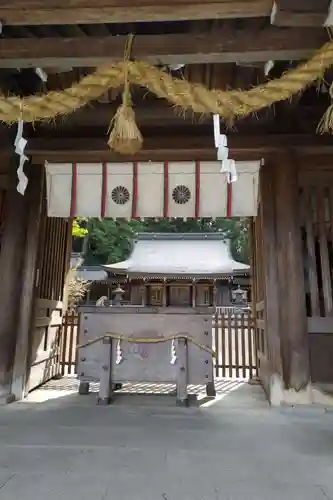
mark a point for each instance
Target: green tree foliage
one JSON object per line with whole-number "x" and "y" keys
{"x": 79, "y": 229}
{"x": 110, "y": 241}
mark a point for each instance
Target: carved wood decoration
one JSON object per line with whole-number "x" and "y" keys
{"x": 169, "y": 189}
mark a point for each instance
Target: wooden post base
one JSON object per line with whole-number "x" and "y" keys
{"x": 182, "y": 395}
{"x": 7, "y": 399}
{"x": 182, "y": 402}
{"x": 104, "y": 401}
{"x": 210, "y": 389}
{"x": 106, "y": 385}
{"x": 117, "y": 387}
{"x": 84, "y": 388}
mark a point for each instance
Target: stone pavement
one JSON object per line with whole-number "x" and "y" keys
{"x": 58, "y": 445}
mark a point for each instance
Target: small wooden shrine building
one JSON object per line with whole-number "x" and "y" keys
{"x": 172, "y": 269}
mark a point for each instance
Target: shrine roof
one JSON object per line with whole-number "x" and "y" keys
{"x": 91, "y": 273}
{"x": 204, "y": 255}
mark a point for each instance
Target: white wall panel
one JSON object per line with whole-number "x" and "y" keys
{"x": 245, "y": 190}
{"x": 89, "y": 189}
{"x": 59, "y": 189}
{"x": 213, "y": 190}
{"x": 150, "y": 189}
{"x": 119, "y": 174}
{"x": 182, "y": 174}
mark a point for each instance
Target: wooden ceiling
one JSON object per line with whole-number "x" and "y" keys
{"x": 53, "y": 12}
{"x": 221, "y": 43}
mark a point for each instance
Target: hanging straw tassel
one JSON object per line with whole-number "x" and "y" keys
{"x": 125, "y": 137}
{"x": 326, "y": 123}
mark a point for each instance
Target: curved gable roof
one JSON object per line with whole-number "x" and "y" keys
{"x": 180, "y": 255}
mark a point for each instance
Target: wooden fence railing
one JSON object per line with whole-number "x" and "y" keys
{"x": 234, "y": 341}
{"x": 68, "y": 343}
{"x": 224, "y": 309}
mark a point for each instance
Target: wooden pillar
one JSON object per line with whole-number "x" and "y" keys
{"x": 164, "y": 294}
{"x": 146, "y": 298}
{"x": 270, "y": 268}
{"x": 194, "y": 291}
{"x": 11, "y": 261}
{"x": 143, "y": 292}
{"x": 253, "y": 266}
{"x": 34, "y": 196}
{"x": 214, "y": 293}
{"x": 293, "y": 320}
{"x": 88, "y": 295}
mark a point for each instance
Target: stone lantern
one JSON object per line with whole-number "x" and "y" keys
{"x": 239, "y": 296}
{"x": 118, "y": 294}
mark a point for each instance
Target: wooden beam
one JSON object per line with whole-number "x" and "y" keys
{"x": 241, "y": 46}
{"x": 242, "y": 147}
{"x": 35, "y": 12}
{"x": 329, "y": 18}
{"x": 292, "y": 13}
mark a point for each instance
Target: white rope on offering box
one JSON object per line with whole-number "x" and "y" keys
{"x": 148, "y": 340}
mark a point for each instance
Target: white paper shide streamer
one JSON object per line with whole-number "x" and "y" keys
{"x": 119, "y": 353}
{"x": 228, "y": 166}
{"x": 20, "y": 145}
{"x": 173, "y": 359}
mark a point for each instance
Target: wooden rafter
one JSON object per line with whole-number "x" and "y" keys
{"x": 309, "y": 13}
{"x": 174, "y": 148}
{"x": 239, "y": 45}
{"x": 37, "y": 12}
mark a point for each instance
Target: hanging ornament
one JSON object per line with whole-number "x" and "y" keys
{"x": 326, "y": 123}
{"x": 173, "y": 359}
{"x": 119, "y": 353}
{"x": 228, "y": 166}
{"x": 125, "y": 137}
{"x": 20, "y": 144}
{"x": 220, "y": 140}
